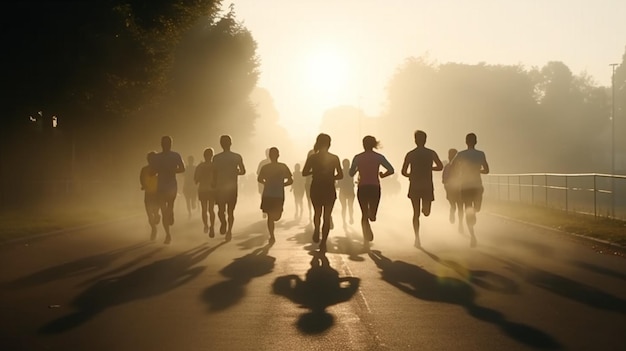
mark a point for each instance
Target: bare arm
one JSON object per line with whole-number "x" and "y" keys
{"x": 306, "y": 169}
{"x": 339, "y": 174}
{"x": 438, "y": 164}
{"x": 242, "y": 168}
{"x": 405, "y": 167}
{"x": 485, "y": 166}
{"x": 141, "y": 179}
{"x": 388, "y": 168}
{"x": 353, "y": 167}
{"x": 180, "y": 167}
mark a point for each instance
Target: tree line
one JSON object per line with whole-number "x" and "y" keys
{"x": 89, "y": 86}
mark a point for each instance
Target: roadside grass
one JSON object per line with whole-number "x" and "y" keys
{"x": 23, "y": 221}
{"x": 611, "y": 230}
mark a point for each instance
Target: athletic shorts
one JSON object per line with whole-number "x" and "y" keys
{"x": 206, "y": 195}
{"x": 453, "y": 193}
{"x": 472, "y": 197}
{"x": 272, "y": 204}
{"x": 323, "y": 194}
{"x": 426, "y": 192}
{"x": 226, "y": 196}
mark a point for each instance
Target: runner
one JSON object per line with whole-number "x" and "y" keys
{"x": 471, "y": 164}
{"x": 227, "y": 166}
{"x": 274, "y": 176}
{"x": 418, "y": 167}
{"x": 368, "y": 165}
{"x": 203, "y": 177}
{"x": 325, "y": 169}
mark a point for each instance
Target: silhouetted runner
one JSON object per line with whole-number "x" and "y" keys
{"x": 470, "y": 164}
{"x": 262, "y": 163}
{"x": 325, "y": 170}
{"x": 227, "y": 166}
{"x": 298, "y": 189}
{"x": 346, "y": 192}
{"x": 274, "y": 176}
{"x": 307, "y": 190}
{"x": 167, "y": 164}
{"x": 368, "y": 163}
{"x": 203, "y": 177}
{"x": 190, "y": 189}
{"x": 418, "y": 167}
{"x": 148, "y": 179}
{"x": 452, "y": 186}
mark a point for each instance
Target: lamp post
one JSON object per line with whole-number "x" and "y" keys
{"x": 613, "y": 65}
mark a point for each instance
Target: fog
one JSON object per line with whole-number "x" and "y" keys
{"x": 81, "y": 119}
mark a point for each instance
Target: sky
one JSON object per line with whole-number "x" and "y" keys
{"x": 317, "y": 54}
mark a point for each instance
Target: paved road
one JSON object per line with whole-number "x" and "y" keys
{"x": 109, "y": 288}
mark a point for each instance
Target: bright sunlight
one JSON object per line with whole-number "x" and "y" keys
{"x": 326, "y": 74}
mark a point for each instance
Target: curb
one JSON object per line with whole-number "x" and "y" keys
{"x": 580, "y": 236}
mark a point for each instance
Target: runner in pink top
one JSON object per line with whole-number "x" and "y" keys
{"x": 368, "y": 165}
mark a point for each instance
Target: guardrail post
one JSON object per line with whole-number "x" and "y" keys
{"x": 566, "y": 191}
{"x": 545, "y": 184}
{"x": 595, "y": 202}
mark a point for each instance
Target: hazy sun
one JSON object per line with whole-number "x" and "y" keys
{"x": 326, "y": 74}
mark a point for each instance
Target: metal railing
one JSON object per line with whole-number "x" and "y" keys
{"x": 600, "y": 195}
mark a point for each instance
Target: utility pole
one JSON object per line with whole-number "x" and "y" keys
{"x": 613, "y": 65}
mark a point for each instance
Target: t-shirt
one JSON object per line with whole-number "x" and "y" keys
{"x": 323, "y": 167}
{"x": 274, "y": 175}
{"x": 368, "y": 165}
{"x": 468, "y": 164}
{"x": 166, "y": 164}
{"x": 420, "y": 161}
{"x": 226, "y": 170}
{"x": 204, "y": 176}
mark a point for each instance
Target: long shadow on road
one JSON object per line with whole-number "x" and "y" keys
{"x": 240, "y": 272}
{"x": 484, "y": 279}
{"x": 565, "y": 287}
{"x": 147, "y": 281}
{"x": 321, "y": 288}
{"x": 424, "y": 285}
{"x": 82, "y": 266}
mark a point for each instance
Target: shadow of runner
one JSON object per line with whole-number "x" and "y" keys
{"x": 321, "y": 288}
{"x": 82, "y": 266}
{"x": 150, "y": 280}
{"x": 424, "y": 285}
{"x": 565, "y": 287}
{"x": 484, "y": 279}
{"x": 240, "y": 272}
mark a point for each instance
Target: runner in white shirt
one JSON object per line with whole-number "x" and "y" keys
{"x": 470, "y": 164}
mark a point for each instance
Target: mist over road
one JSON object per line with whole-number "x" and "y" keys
{"x": 110, "y": 288}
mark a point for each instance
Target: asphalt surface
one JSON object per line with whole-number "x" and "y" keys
{"x": 109, "y": 287}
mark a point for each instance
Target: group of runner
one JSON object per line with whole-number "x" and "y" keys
{"x": 217, "y": 182}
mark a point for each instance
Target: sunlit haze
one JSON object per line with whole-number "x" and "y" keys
{"x": 319, "y": 54}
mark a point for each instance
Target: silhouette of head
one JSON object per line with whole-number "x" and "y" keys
{"x": 452, "y": 153}
{"x": 322, "y": 142}
{"x": 470, "y": 139}
{"x": 369, "y": 142}
{"x": 273, "y": 154}
{"x": 345, "y": 163}
{"x": 267, "y": 153}
{"x": 226, "y": 142}
{"x": 296, "y": 167}
{"x": 190, "y": 160}
{"x": 166, "y": 143}
{"x": 420, "y": 137}
{"x": 208, "y": 154}
{"x": 150, "y": 157}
